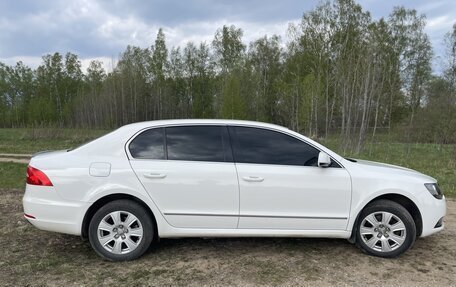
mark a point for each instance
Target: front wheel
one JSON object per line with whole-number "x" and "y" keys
{"x": 385, "y": 229}
{"x": 121, "y": 230}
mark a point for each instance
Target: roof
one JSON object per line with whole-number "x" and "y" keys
{"x": 141, "y": 125}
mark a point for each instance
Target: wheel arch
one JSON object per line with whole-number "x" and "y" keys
{"x": 403, "y": 200}
{"x": 109, "y": 198}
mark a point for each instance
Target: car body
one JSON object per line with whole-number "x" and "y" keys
{"x": 241, "y": 179}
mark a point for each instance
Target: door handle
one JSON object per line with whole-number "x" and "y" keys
{"x": 253, "y": 178}
{"x": 154, "y": 175}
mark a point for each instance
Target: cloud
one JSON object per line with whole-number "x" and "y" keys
{"x": 438, "y": 23}
{"x": 63, "y": 27}
{"x": 175, "y": 12}
{"x": 102, "y": 29}
{"x": 204, "y": 31}
{"x": 30, "y": 61}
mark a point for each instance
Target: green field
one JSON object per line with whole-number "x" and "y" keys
{"x": 29, "y": 141}
{"x": 438, "y": 161}
{"x": 12, "y": 175}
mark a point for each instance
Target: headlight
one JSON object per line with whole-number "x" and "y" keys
{"x": 434, "y": 189}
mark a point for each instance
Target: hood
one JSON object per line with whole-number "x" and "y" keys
{"x": 392, "y": 169}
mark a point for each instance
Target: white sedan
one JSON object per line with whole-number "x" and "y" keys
{"x": 218, "y": 178}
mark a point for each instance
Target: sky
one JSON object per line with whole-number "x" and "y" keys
{"x": 101, "y": 29}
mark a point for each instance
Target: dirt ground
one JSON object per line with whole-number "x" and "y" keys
{"x": 30, "y": 257}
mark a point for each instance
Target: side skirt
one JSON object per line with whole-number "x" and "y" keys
{"x": 190, "y": 232}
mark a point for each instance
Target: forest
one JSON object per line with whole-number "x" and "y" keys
{"x": 340, "y": 73}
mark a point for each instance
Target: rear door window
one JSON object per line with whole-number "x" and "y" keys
{"x": 198, "y": 143}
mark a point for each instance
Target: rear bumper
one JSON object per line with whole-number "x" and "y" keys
{"x": 51, "y": 212}
{"x": 432, "y": 212}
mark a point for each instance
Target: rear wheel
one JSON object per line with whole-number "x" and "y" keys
{"x": 121, "y": 230}
{"x": 385, "y": 229}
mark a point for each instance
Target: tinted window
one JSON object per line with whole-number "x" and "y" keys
{"x": 148, "y": 145}
{"x": 197, "y": 143}
{"x": 269, "y": 147}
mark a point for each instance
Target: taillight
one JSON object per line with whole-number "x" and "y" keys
{"x": 37, "y": 177}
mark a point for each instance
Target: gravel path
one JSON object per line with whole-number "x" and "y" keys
{"x": 15, "y": 157}
{"x": 16, "y": 160}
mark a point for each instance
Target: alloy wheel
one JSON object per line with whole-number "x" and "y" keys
{"x": 120, "y": 232}
{"x": 382, "y": 231}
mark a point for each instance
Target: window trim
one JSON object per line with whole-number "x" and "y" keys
{"x": 231, "y": 141}
{"x": 226, "y": 142}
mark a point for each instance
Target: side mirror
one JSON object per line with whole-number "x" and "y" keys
{"x": 324, "y": 160}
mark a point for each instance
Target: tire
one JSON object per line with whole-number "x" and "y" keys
{"x": 385, "y": 229}
{"x": 121, "y": 230}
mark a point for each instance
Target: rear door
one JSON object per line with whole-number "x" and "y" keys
{"x": 189, "y": 173}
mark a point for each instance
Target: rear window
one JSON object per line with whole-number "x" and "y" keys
{"x": 148, "y": 145}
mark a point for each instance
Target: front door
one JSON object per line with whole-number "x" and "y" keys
{"x": 281, "y": 186}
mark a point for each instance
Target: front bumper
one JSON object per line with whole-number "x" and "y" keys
{"x": 51, "y": 212}
{"x": 432, "y": 212}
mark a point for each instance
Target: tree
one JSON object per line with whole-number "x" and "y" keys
{"x": 436, "y": 119}
{"x": 229, "y": 52}
{"x": 341, "y": 73}
{"x": 450, "y": 67}
{"x": 158, "y": 63}
{"x": 415, "y": 53}
{"x": 265, "y": 57}
{"x": 87, "y": 108}
{"x": 204, "y": 85}
{"x": 47, "y": 105}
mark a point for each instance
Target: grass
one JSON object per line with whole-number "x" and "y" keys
{"x": 29, "y": 141}
{"x": 438, "y": 161}
{"x": 12, "y": 175}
